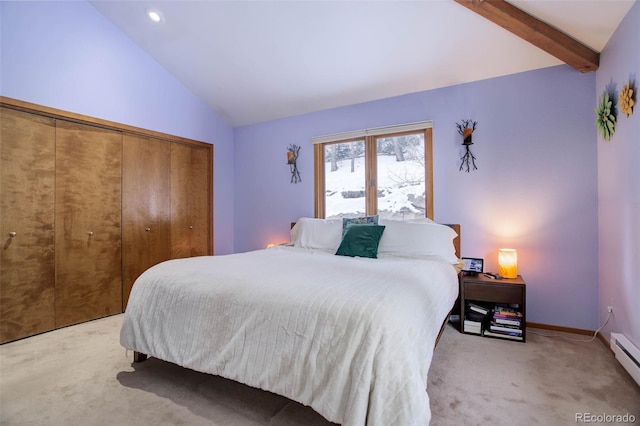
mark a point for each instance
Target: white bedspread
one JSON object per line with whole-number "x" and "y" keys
{"x": 351, "y": 337}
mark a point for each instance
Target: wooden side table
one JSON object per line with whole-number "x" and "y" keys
{"x": 480, "y": 288}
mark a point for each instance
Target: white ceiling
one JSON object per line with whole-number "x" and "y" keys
{"x": 254, "y": 61}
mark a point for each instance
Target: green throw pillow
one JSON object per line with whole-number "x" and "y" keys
{"x": 361, "y": 240}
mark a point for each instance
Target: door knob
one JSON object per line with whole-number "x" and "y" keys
{"x": 12, "y": 234}
{"x": 147, "y": 229}
{"x": 90, "y": 233}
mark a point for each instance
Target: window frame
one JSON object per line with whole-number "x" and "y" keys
{"x": 371, "y": 171}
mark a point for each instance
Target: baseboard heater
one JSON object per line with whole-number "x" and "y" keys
{"x": 627, "y": 354}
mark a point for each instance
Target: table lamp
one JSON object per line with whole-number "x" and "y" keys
{"x": 508, "y": 263}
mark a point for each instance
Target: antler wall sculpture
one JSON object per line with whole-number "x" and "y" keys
{"x": 466, "y": 129}
{"x": 292, "y": 160}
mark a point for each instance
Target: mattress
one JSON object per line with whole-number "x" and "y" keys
{"x": 351, "y": 337}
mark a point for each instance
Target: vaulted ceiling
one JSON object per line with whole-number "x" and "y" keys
{"x": 254, "y": 61}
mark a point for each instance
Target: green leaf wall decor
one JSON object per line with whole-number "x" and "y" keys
{"x": 605, "y": 117}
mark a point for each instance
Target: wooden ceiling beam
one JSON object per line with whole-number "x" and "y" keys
{"x": 536, "y": 32}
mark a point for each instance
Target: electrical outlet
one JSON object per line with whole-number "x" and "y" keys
{"x": 609, "y": 308}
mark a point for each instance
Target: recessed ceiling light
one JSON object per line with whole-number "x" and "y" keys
{"x": 155, "y": 15}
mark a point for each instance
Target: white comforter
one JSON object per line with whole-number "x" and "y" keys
{"x": 351, "y": 337}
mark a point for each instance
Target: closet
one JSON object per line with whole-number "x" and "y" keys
{"x": 189, "y": 204}
{"x": 146, "y": 206}
{"x": 27, "y": 200}
{"x": 86, "y": 206}
{"x": 88, "y": 216}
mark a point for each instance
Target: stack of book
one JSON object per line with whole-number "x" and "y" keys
{"x": 506, "y": 323}
{"x": 474, "y": 318}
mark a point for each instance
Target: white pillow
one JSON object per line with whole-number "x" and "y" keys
{"x": 421, "y": 220}
{"x": 418, "y": 239}
{"x": 313, "y": 233}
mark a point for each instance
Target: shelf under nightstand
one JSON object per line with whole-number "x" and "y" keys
{"x": 480, "y": 288}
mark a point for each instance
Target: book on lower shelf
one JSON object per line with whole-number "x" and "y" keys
{"x": 516, "y": 331}
{"x": 478, "y": 308}
{"x": 506, "y": 322}
{"x": 475, "y": 318}
{"x": 501, "y": 335}
{"x": 507, "y": 311}
{"x": 473, "y": 327}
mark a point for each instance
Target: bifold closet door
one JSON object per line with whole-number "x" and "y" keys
{"x": 146, "y": 206}
{"x": 88, "y": 223}
{"x": 27, "y": 257}
{"x": 191, "y": 194}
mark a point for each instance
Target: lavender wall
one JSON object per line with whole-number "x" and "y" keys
{"x": 66, "y": 55}
{"x": 619, "y": 185}
{"x": 535, "y": 189}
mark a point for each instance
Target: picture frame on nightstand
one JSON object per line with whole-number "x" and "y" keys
{"x": 472, "y": 265}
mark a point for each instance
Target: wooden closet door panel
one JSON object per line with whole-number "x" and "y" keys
{"x": 146, "y": 206}
{"x": 190, "y": 201}
{"x": 201, "y": 194}
{"x": 180, "y": 201}
{"x": 88, "y": 223}
{"x": 27, "y": 260}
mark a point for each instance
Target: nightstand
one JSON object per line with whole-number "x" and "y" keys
{"x": 479, "y": 288}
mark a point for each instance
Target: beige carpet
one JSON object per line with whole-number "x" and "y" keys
{"x": 80, "y": 376}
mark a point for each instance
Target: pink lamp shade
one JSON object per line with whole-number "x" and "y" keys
{"x": 508, "y": 263}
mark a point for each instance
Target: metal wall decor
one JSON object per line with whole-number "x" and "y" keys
{"x": 466, "y": 129}
{"x": 626, "y": 99}
{"x": 292, "y": 159}
{"x": 606, "y": 116}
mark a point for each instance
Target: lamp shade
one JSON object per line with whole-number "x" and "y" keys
{"x": 508, "y": 263}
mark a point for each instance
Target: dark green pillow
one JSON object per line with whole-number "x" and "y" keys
{"x": 361, "y": 240}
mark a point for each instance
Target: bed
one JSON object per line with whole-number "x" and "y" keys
{"x": 350, "y": 336}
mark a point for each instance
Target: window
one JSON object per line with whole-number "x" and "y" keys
{"x": 386, "y": 171}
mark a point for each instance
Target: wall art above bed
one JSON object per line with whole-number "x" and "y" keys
{"x": 466, "y": 129}
{"x": 292, "y": 161}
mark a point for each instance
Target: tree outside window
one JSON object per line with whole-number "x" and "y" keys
{"x": 383, "y": 174}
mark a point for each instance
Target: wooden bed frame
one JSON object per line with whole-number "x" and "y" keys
{"x": 454, "y": 308}
{"x": 139, "y": 356}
